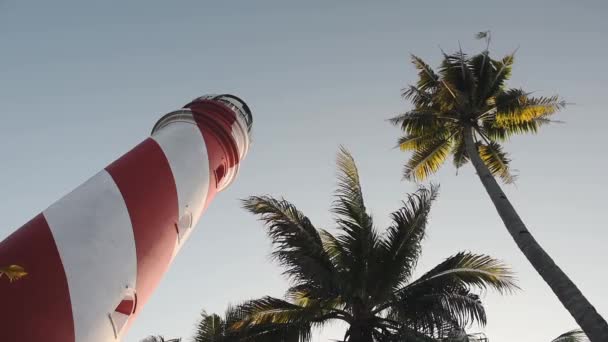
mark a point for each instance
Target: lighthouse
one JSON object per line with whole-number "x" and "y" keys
{"x": 95, "y": 256}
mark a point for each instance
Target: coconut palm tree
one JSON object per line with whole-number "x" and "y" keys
{"x": 12, "y": 272}
{"x": 363, "y": 276}
{"x": 159, "y": 339}
{"x": 214, "y": 328}
{"x": 466, "y": 110}
{"x": 576, "y": 335}
{"x": 211, "y": 328}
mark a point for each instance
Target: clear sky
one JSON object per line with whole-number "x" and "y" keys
{"x": 81, "y": 82}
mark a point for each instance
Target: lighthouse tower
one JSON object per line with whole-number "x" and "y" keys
{"x": 94, "y": 257}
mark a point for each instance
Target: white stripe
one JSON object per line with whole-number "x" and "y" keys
{"x": 94, "y": 236}
{"x": 184, "y": 146}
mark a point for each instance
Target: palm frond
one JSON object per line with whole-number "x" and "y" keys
{"x": 349, "y": 195}
{"x": 268, "y": 316}
{"x": 455, "y": 70}
{"x": 358, "y": 238}
{"x": 459, "y": 151}
{"x": 509, "y": 129}
{"x": 443, "y": 299}
{"x": 414, "y": 142}
{"x": 502, "y": 74}
{"x": 427, "y": 160}
{"x": 496, "y": 160}
{"x": 418, "y": 97}
{"x": 334, "y": 250}
{"x": 467, "y": 270}
{"x": 401, "y": 246}
{"x": 516, "y": 107}
{"x": 483, "y": 72}
{"x": 576, "y": 335}
{"x": 297, "y": 243}
{"x": 419, "y": 122}
{"x": 211, "y": 328}
{"x": 439, "y": 313}
{"x": 427, "y": 78}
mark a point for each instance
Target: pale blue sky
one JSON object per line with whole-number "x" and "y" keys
{"x": 83, "y": 82}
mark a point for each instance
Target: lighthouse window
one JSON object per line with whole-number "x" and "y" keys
{"x": 122, "y": 312}
{"x": 220, "y": 171}
{"x": 185, "y": 223}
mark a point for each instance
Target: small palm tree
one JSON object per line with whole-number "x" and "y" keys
{"x": 211, "y": 328}
{"x": 576, "y": 335}
{"x": 466, "y": 110}
{"x": 159, "y": 339}
{"x": 214, "y": 328}
{"x": 364, "y": 277}
{"x": 12, "y": 272}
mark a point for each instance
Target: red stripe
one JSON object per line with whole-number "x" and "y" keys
{"x": 144, "y": 178}
{"x": 37, "y": 307}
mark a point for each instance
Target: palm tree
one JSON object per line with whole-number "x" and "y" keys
{"x": 467, "y": 111}
{"x": 12, "y": 272}
{"x": 364, "y": 277}
{"x": 159, "y": 339}
{"x": 211, "y": 328}
{"x": 572, "y": 336}
{"x": 214, "y": 328}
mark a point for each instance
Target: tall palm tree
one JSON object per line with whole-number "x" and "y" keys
{"x": 363, "y": 276}
{"x": 12, "y": 272}
{"x": 466, "y": 110}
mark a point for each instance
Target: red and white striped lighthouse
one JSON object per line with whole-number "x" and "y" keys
{"x": 94, "y": 257}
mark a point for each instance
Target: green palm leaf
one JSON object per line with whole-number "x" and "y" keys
{"x": 402, "y": 243}
{"x": 419, "y": 97}
{"x": 428, "y": 159}
{"x": 359, "y": 238}
{"x": 419, "y": 122}
{"x": 459, "y": 152}
{"x": 515, "y": 107}
{"x": 414, "y": 142}
{"x": 427, "y": 78}
{"x": 270, "y": 316}
{"x": 467, "y": 270}
{"x": 297, "y": 243}
{"x": 443, "y": 295}
{"x": 503, "y": 73}
{"x": 496, "y": 160}
{"x": 211, "y": 328}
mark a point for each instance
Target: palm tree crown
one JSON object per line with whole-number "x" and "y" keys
{"x": 364, "y": 277}
{"x": 466, "y": 110}
{"x": 468, "y": 95}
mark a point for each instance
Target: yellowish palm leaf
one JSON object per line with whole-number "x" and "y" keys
{"x": 428, "y": 159}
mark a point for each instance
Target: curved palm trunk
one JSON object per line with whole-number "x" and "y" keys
{"x": 592, "y": 323}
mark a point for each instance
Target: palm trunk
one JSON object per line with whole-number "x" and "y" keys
{"x": 360, "y": 332}
{"x": 592, "y": 323}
